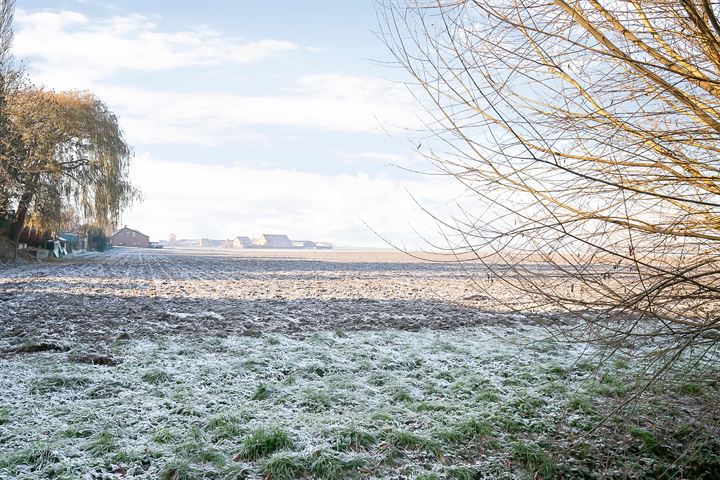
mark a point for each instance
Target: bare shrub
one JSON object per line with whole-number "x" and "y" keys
{"x": 586, "y": 136}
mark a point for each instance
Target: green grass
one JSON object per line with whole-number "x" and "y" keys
{"x": 56, "y": 383}
{"x": 330, "y": 465}
{"x": 5, "y": 415}
{"x": 401, "y": 394}
{"x": 461, "y": 473}
{"x": 101, "y": 444}
{"x": 407, "y": 440}
{"x": 464, "y": 433}
{"x": 284, "y": 466}
{"x": 178, "y": 470}
{"x": 534, "y": 458}
{"x": 427, "y": 476}
{"x": 196, "y": 449}
{"x": 581, "y": 404}
{"x": 526, "y": 405}
{"x": 164, "y": 435}
{"x": 353, "y": 438}
{"x": 367, "y": 405}
{"x": 262, "y": 392}
{"x": 315, "y": 400}
{"x": 475, "y": 428}
{"x": 36, "y": 458}
{"x": 691, "y": 388}
{"x": 77, "y": 433}
{"x": 437, "y": 406}
{"x": 649, "y": 440}
{"x": 556, "y": 371}
{"x": 109, "y": 389}
{"x": 263, "y": 442}
{"x": 224, "y": 426}
{"x": 155, "y": 376}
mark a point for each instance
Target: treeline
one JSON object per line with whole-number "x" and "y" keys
{"x": 64, "y": 160}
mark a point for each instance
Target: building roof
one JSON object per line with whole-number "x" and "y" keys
{"x": 130, "y": 230}
{"x": 272, "y": 239}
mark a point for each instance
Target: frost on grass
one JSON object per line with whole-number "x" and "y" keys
{"x": 469, "y": 403}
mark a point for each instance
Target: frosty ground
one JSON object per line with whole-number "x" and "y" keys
{"x": 211, "y": 364}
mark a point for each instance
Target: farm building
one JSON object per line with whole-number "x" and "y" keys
{"x": 273, "y": 241}
{"x": 241, "y": 242}
{"x": 303, "y": 244}
{"x": 127, "y": 237}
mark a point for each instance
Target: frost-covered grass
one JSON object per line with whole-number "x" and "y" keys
{"x": 462, "y": 404}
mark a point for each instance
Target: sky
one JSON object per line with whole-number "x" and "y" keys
{"x": 248, "y": 117}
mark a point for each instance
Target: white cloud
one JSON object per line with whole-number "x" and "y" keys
{"x": 379, "y": 157}
{"x": 223, "y": 201}
{"x": 331, "y": 103}
{"x": 69, "y": 50}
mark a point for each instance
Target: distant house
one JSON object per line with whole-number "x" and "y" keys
{"x": 273, "y": 241}
{"x": 241, "y": 242}
{"x": 323, "y": 246}
{"x": 127, "y": 237}
{"x": 303, "y": 244}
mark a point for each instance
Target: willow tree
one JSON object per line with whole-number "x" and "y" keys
{"x": 70, "y": 154}
{"x": 587, "y": 134}
{"x": 8, "y": 79}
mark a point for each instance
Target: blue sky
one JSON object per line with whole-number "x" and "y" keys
{"x": 246, "y": 117}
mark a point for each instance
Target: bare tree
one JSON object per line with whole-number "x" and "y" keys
{"x": 587, "y": 134}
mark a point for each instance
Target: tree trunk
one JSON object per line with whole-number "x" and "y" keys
{"x": 21, "y": 213}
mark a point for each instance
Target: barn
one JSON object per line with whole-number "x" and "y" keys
{"x": 241, "y": 242}
{"x": 274, "y": 241}
{"x": 127, "y": 237}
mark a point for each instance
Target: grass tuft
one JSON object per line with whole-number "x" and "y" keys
{"x": 534, "y": 458}
{"x": 262, "y": 392}
{"x": 224, "y": 426}
{"x": 178, "y": 470}
{"x": 155, "y": 376}
{"x": 56, "y": 383}
{"x": 405, "y": 440}
{"x": 5, "y": 415}
{"x": 691, "y": 388}
{"x": 263, "y": 442}
{"x": 329, "y": 465}
{"x": 164, "y": 436}
{"x": 650, "y": 441}
{"x": 315, "y": 400}
{"x": 354, "y": 439}
{"x": 283, "y": 466}
{"x": 475, "y": 428}
{"x": 461, "y": 473}
{"x": 581, "y": 404}
{"x": 101, "y": 444}
{"x": 34, "y": 458}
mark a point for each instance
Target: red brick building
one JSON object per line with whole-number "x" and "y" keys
{"x": 127, "y": 237}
